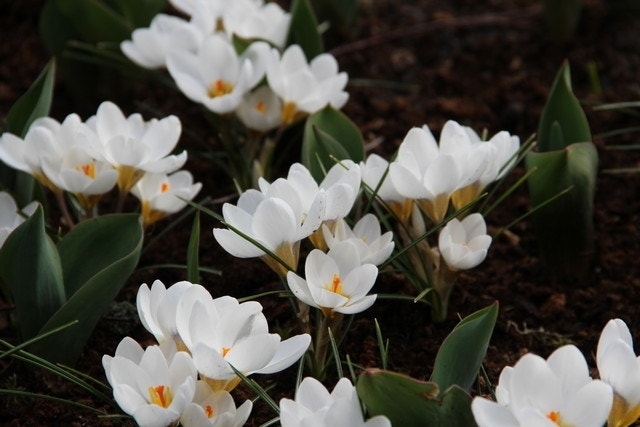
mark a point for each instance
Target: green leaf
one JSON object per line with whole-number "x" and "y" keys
{"x": 564, "y": 227}
{"x": 329, "y": 135}
{"x": 94, "y": 21}
{"x": 462, "y": 352}
{"x": 562, "y": 110}
{"x": 98, "y": 256}
{"x": 193, "y": 264}
{"x": 36, "y": 102}
{"x": 409, "y": 402}
{"x": 138, "y": 13}
{"x": 30, "y": 265}
{"x": 303, "y": 29}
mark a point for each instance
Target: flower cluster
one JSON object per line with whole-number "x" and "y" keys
{"x": 558, "y": 391}
{"x": 202, "y": 342}
{"x": 200, "y": 55}
{"x": 88, "y": 159}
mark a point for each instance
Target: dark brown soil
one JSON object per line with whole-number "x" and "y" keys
{"x": 485, "y": 64}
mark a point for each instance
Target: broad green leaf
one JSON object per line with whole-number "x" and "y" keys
{"x": 329, "y": 133}
{"x": 35, "y": 103}
{"x": 138, "y": 13}
{"x": 30, "y": 265}
{"x": 409, "y": 402}
{"x": 563, "y": 17}
{"x": 98, "y": 256}
{"x": 303, "y": 29}
{"x": 462, "y": 352}
{"x": 562, "y": 107}
{"x": 193, "y": 263}
{"x": 94, "y": 21}
{"x": 564, "y": 227}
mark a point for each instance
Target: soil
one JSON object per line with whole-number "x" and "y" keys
{"x": 485, "y": 64}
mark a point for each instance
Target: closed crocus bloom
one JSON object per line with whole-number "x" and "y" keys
{"x": 270, "y": 221}
{"x": 135, "y": 146}
{"x": 216, "y": 76}
{"x": 315, "y": 406}
{"x": 214, "y": 409}
{"x": 336, "y": 282}
{"x": 161, "y": 194}
{"x": 553, "y": 392}
{"x": 619, "y": 367}
{"x": 150, "y": 387}
{"x": 250, "y": 20}
{"x": 420, "y": 172}
{"x": 10, "y": 216}
{"x": 376, "y": 169}
{"x": 374, "y": 247}
{"x": 148, "y": 47}
{"x": 464, "y": 244}
{"x": 303, "y": 87}
{"x": 260, "y": 110}
{"x": 235, "y": 334}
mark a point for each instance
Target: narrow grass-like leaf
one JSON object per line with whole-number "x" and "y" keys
{"x": 27, "y": 343}
{"x": 462, "y": 352}
{"x": 336, "y": 353}
{"x": 193, "y": 256}
{"x": 258, "y": 390}
{"x": 382, "y": 345}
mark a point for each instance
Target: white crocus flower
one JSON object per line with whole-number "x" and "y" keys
{"x": 158, "y": 306}
{"x": 260, "y": 110}
{"x": 150, "y": 387}
{"x": 315, "y": 406}
{"x": 305, "y": 87}
{"x": 464, "y": 244}
{"x": 336, "y": 282}
{"x": 374, "y": 247}
{"x": 216, "y": 76}
{"x": 546, "y": 393}
{"x": 376, "y": 168}
{"x": 619, "y": 367}
{"x": 272, "y": 222}
{"x": 420, "y": 172}
{"x": 10, "y": 216}
{"x": 214, "y": 409}
{"x": 161, "y": 194}
{"x": 148, "y": 47}
{"x": 135, "y": 146}
{"x": 222, "y": 332}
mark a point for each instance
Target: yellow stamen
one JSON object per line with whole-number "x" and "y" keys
{"x": 225, "y": 351}
{"x": 89, "y": 170}
{"x": 161, "y": 395}
{"x": 261, "y": 107}
{"x": 219, "y": 88}
{"x": 209, "y": 411}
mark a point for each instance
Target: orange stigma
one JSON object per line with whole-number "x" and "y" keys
{"x": 219, "y": 88}
{"x": 164, "y": 187}
{"x": 161, "y": 395}
{"x": 261, "y": 107}
{"x": 89, "y": 170}
{"x": 225, "y": 351}
{"x": 336, "y": 285}
{"x": 209, "y": 411}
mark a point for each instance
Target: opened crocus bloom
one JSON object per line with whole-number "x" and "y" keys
{"x": 464, "y": 244}
{"x": 374, "y": 247}
{"x": 10, "y": 216}
{"x": 315, "y": 406}
{"x": 150, "y": 386}
{"x": 221, "y": 333}
{"x": 553, "y": 392}
{"x": 215, "y": 409}
{"x": 619, "y": 366}
{"x": 336, "y": 281}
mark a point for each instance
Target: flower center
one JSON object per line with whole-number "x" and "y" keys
{"x": 336, "y": 285}
{"x": 164, "y": 187}
{"x": 289, "y": 110}
{"x": 557, "y": 419}
{"x": 209, "y": 411}
{"x": 261, "y": 107}
{"x": 161, "y": 395}
{"x": 89, "y": 170}
{"x": 225, "y": 351}
{"x": 220, "y": 88}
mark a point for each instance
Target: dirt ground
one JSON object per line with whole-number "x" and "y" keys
{"x": 487, "y": 64}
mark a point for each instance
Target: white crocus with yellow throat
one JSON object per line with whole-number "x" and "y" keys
{"x": 260, "y": 110}
{"x": 216, "y": 76}
{"x": 222, "y": 332}
{"x": 135, "y": 146}
{"x": 305, "y": 87}
{"x": 373, "y": 246}
{"x": 152, "y": 386}
{"x": 214, "y": 409}
{"x": 376, "y": 169}
{"x": 275, "y": 223}
{"x": 335, "y": 282}
{"x": 619, "y": 367}
{"x": 546, "y": 393}
{"x": 464, "y": 244}
{"x": 161, "y": 194}
{"x": 315, "y": 406}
